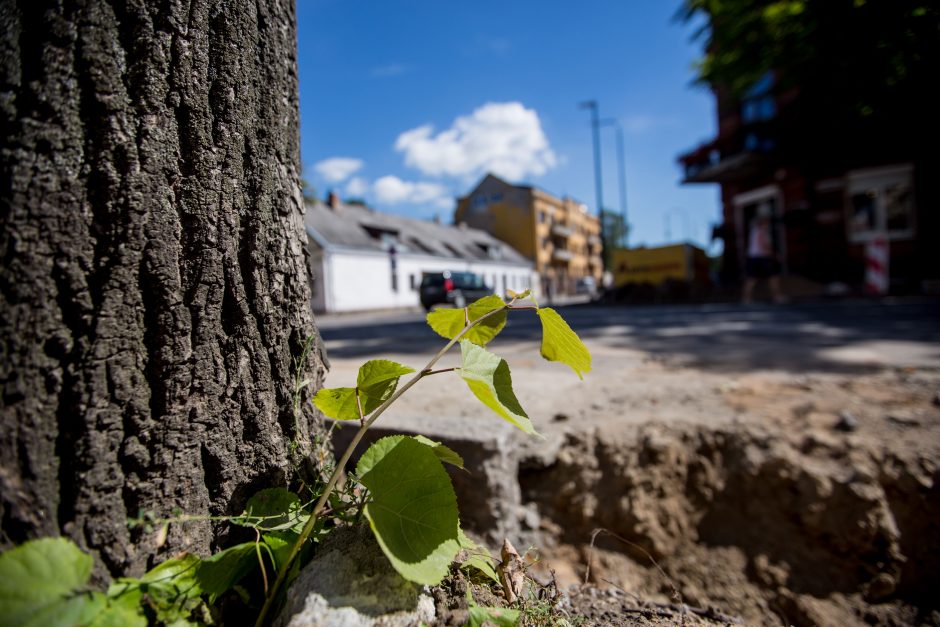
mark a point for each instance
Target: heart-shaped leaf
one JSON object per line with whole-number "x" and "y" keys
{"x": 338, "y": 403}
{"x": 560, "y": 343}
{"x": 412, "y": 509}
{"x": 39, "y": 581}
{"x": 487, "y": 376}
{"x": 273, "y": 509}
{"x": 450, "y": 322}
{"x": 377, "y": 381}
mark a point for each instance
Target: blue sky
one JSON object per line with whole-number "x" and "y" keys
{"x": 406, "y": 103}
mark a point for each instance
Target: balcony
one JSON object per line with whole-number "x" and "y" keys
{"x": 560, "y": 254}
{"x": 560, "y": 230}
{"x": 712, "y": 167}
{"x": 740, "y": 152}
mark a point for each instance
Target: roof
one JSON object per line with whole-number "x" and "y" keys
{"x": 532, "y": 189}
{"x": 359, "y": 227}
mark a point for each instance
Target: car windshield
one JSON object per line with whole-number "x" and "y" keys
{"x": 462, "y": 280}
{"x": 466, "y": 280}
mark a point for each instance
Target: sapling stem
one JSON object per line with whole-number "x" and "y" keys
{"x": 365, "y": 424}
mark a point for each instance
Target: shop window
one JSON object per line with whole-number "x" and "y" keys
{"x": 880, "y": 204}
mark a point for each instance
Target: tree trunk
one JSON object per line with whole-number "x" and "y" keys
{"x": 154, "y": 304}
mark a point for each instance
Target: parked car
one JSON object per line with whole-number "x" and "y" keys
{"x": 452, "y": 288}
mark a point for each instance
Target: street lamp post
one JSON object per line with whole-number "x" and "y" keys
{"x": 598, "y": 183}
{"x": 622, "y": 177}
{"x": 623, "y": 186}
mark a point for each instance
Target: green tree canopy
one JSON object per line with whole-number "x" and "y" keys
{"x": 861, "y": 59}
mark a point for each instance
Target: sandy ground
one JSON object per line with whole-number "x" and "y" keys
{"x": 630, "y": 387}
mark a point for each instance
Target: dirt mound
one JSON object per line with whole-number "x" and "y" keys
{"x": 816, "y": 529}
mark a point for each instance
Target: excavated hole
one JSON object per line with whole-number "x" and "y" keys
{"x": 815, "y": 529}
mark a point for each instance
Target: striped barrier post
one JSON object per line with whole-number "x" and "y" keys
{"x": 876, "y": 266}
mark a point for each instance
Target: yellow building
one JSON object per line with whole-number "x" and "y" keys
{"x": 561, "y": 238}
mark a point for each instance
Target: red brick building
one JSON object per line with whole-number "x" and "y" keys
{"x": 830, "y": 190}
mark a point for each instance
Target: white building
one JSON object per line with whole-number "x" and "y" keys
{"x": 361, "y": 259}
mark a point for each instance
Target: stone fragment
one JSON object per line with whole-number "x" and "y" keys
{"x": 847, "y": 421}
{"x": 350, "y": 583}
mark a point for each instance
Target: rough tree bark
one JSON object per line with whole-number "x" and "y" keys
{"x": 153, "y": 285}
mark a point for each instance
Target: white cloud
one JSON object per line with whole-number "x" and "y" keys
{"x": 337, "y": 169}
{"x": 504, "y": 138}
{"x": 393, "y": 191}
{"x": 357, "y": 187}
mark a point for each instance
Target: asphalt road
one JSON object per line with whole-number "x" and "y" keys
{"x": 833, "y": 336}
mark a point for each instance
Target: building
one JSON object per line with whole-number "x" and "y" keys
{"x": 558, "y": 235}
{"x": 361, "y": 259}
{"x": 830, "y": 188}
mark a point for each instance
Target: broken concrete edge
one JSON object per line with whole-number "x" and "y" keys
{"x": 350, "y": 583}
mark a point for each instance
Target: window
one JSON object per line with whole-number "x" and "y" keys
{"x": 758, "y": 104}
{"x": 386, "y": 236}
{"x": 880, "y": 202}
{"x": 418, "y": 245}
{"x": 412, "y": 281}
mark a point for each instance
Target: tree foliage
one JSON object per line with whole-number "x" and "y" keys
{"x": 862, "y": 58}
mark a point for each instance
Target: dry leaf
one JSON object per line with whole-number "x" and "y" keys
{"x": 511, "y": 572}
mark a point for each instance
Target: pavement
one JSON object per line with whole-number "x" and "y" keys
{"x": 823, "y": 336}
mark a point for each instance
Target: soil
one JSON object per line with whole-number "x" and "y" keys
{"x": 775, "y": 497}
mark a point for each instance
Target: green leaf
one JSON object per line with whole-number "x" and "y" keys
{"x": 481, "y": 615}
{"x": 278, "y": 508}
{"x": 377, "y": 381}
{"x": 179, "y": 571}
{"x": 169, "y": 589}
{"x": 560, "y": 343}
{"x": 376, "y": 374}
{"x": 488, "y": 377}
{"x": 221, "y": 571}
{"x": 450, "y": 322}
{"x": 444, "y": 453}
{"x": 413, "y": 509}
{"x": 280, "y": 543}
{"x": 39, "y": 581}
{"x": 123, "y": 611}
{"x": 338, "y": 403}
{"x": 499, "y": 616}
{"x": 478, "y": 557}
{"x": 519, "y": 295}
